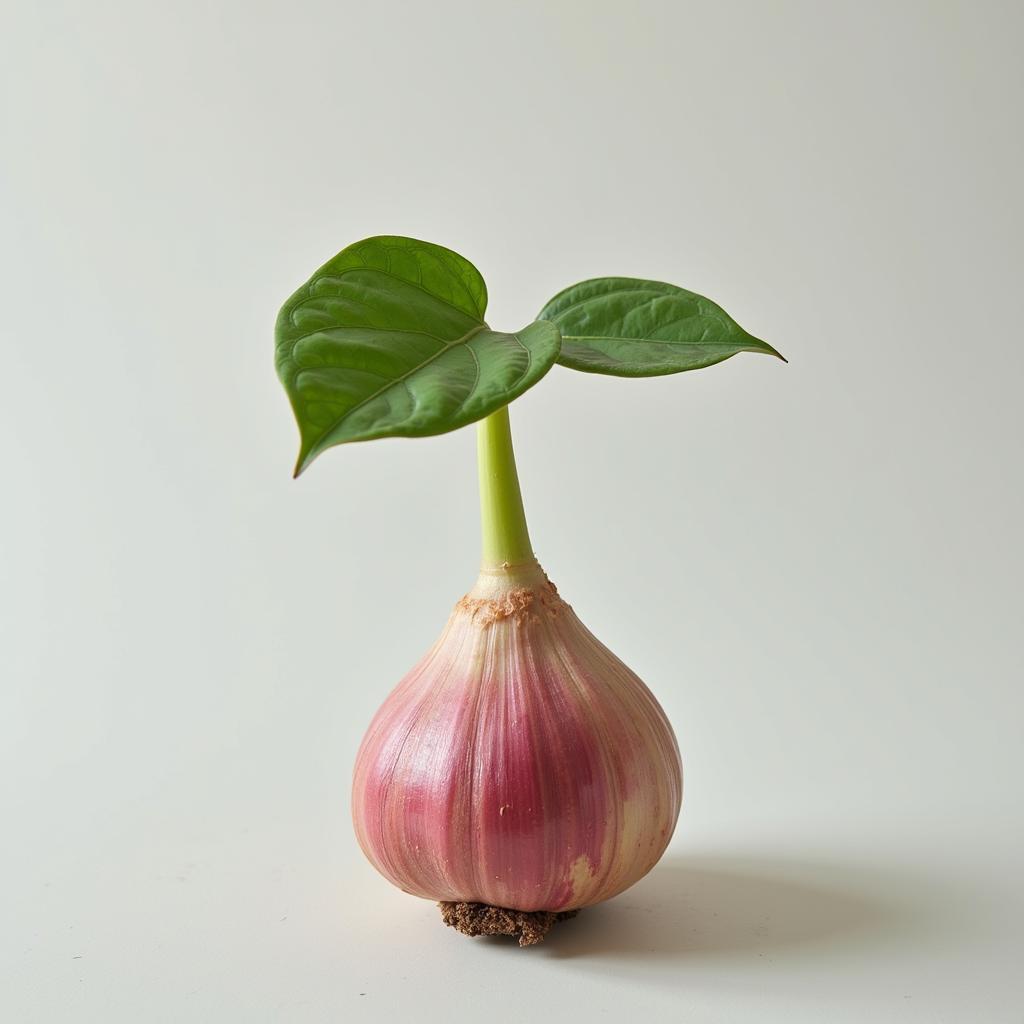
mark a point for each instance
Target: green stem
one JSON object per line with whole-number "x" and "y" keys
{"x": 506, "y": 540}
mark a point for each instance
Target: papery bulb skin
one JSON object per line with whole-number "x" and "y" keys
{"x": 520, "y": 764}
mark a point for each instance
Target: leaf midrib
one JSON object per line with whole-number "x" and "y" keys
{"x": 398, "y": 380}
{"x": 653, "y": 341}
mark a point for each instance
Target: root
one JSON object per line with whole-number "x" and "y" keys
{"x": 481, "y": 919}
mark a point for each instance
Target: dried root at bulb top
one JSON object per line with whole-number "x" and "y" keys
{"x": 482, "y": 919}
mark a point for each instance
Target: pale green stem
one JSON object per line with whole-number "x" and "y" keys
{"x": 506, "y": 540}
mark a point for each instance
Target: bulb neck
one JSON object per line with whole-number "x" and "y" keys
{"x": 496, "y": 584}
{"x": 506, "y": 547}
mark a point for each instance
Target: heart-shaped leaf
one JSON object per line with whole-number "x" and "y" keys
{"x": 632, "y": 328}
{"x": 388, "y": 340}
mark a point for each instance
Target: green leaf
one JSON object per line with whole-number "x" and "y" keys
{"x": 632, "y": 328}
{"x": 388, "y": 340}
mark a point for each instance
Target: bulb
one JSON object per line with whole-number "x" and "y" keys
{"x": 520, "y": 764}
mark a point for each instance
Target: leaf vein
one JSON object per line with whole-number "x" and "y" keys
{"x": 608, "y": 295}
{"x": 412, "y": 284}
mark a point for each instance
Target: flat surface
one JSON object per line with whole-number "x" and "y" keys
{"x": 816, "y": 567}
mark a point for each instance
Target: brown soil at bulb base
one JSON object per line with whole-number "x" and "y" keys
{"x": 481, "y": 919}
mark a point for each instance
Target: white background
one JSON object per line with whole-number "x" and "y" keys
{"x": 815, "y": 566}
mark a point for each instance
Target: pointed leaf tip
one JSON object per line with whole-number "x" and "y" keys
{"x": 768, "y": 350}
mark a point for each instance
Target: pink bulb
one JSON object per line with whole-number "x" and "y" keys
{"x": 520, "y": 764}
